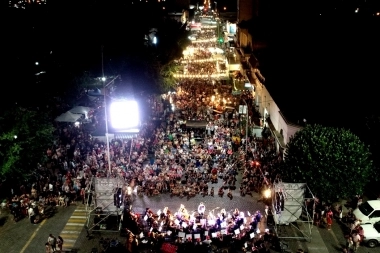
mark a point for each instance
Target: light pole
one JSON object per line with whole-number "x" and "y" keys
{"x": 107, "y": 138}
{"x": 106, "y": 117}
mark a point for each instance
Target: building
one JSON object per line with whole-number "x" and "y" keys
{"x": 252, "y": 41}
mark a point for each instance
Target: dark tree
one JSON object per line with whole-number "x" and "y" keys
{"x": 333, "y": 162}
{"x": 25, "y": 135}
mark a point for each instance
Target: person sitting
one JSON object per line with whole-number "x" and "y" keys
{"x": 229, "y": 194}
{"x": 221, "y": 192}
{"x": 201, "y": 209}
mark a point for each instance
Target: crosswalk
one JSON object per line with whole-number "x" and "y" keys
{"x": 73, "y": 228}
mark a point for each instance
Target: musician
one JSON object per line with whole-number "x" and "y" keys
{"x": 149, "y": 215}
{"x": 182, "y": 209}
{"x": 253, "y": 224}
{"x": 182, "y": 212}
{"x": 165, "y": 213}
{"x": 201, "y": 209}
{"x": 223, "y": 213}
{"x": 235, "y": 214}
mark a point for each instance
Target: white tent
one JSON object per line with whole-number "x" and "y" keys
{"x": 81, "y": 110}
{"x": 68, "y": 117}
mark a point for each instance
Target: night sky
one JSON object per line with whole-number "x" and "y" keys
{"x": 327, "y": 65}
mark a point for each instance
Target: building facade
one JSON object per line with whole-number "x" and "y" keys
{"x": 272, "y": 117}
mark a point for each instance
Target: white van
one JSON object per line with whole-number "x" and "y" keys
{"x": 371, "y": 234}
{"x": 368, "y": 212}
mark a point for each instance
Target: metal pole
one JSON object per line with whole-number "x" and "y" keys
{"x": 106, "y": 118}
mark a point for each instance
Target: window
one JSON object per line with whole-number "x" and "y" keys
{"x": 375, "y": 214}
{"x": 377, "y": 226}
{"x": 365, "y": 208}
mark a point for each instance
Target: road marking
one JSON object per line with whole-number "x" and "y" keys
{"x": 70, "y": 232}
{"x": 73, "y": 227}
{"x": 32, "y": 236}
{"x": 74, "y": 224}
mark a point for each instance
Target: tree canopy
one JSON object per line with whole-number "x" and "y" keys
{"x": 333, "y": 162}
{"x": 24, "y": 136}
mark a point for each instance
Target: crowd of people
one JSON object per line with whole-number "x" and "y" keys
{"x": 168, "y": 157}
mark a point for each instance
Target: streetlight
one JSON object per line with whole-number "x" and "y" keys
{"x": 106, "y": 117}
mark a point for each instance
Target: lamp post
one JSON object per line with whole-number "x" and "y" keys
{"x": 106, "y": 118}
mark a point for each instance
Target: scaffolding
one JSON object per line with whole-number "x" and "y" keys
{"x": 293, "y": 204}
{"x": 103, "y": 213}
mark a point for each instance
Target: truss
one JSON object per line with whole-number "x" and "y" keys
{"x": 293, "y": 204}
{"x": 100, "y": 204}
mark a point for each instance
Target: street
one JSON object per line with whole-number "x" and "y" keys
{"x": 23, "y": 237}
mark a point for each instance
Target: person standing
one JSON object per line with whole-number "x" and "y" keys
{"x": 329, "y": 217}
{"x": 47, "y": 248}
{"x": 356, "y": 239}
{"x": 350, "y": 244}
{"x": 32, "y": 214}
{"x": 52, "y": 242}
{"x": 60, "y": 243}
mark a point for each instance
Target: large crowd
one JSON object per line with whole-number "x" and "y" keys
{"x": 167, "y": 157}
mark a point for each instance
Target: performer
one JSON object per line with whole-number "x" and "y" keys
{"x": 236, "y": 214}
{"x": 201, "y": 209}
{"x": 182, "y": 212}
{"x": 223, "y": 214}
{"x": 182, "y": 209}
{"x": 149, "y": 216}
{"x": 165, "y": 213}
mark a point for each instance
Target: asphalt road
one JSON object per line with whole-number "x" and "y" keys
{"x": 24, "y": 237}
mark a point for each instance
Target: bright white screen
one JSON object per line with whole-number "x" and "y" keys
{"x": 124, "y": 114}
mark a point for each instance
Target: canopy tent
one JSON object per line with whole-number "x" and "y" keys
{"x": 81, "y": 110}
{"x": 196, "y": 124}
{"x": 68, "y": 117}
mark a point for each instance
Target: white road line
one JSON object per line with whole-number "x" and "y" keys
{"x": 78, "y": 217}
{"x": 69, "y": 240}
{"x": 70, "y": 232}
{"x": 75, "y": 224}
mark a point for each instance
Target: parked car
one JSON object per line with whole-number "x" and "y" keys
{"x": 368, "y": 212}
{"x": 371, "y": 234}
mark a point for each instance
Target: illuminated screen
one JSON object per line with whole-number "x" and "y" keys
{"x": 124, "y": 115}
